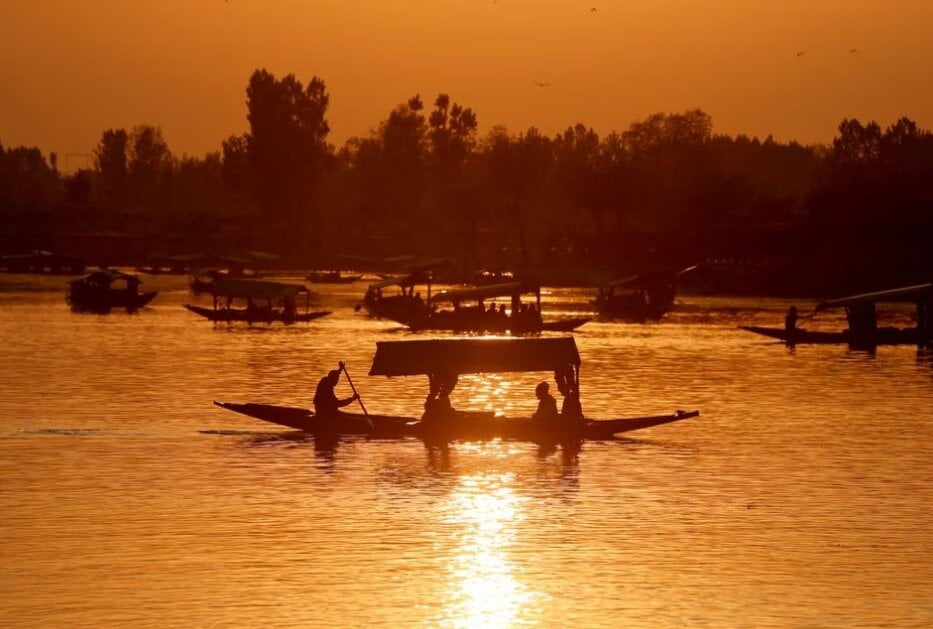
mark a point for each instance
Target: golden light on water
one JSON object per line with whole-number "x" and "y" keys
{"x": 487, "y": 589}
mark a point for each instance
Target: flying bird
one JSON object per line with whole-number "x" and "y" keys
{"x": 853, "y": 51}
{"x": 540, "y": 84}
{"x": 592, "y": 9}
{"x": 800, "y": 54}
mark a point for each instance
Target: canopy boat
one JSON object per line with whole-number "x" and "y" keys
{"x": 863, "y": 330}
{"x": 442, "y": 361}
{"x": 398, "y": 298}
{"x": 518, "y": 319}
{"x": 265, "y": 302}
{"x": 202, "y": 280}
{"x": 640, "y": 298}
{"x": 332, "y": 277}
{"x": 106, "y": 289}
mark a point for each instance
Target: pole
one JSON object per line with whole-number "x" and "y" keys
{"x": 343, "y": 367}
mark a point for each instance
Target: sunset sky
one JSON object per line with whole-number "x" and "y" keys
{"x": 72, "y": 69}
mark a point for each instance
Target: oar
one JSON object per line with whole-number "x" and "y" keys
{"x": 359, "y": 399}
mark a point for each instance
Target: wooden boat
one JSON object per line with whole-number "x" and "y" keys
{"x": 520, "y": 319}
{"x": 639, "y": 298}
{"x": 860, "y": 313}
{"x": 442, "y": 360}
{"x": 464, "y": 426}
{"x": 403, "y": 304}
{"x": 331, "y": 277}
{"x": 265, "y": 302}
{"x": 103, "y": 290}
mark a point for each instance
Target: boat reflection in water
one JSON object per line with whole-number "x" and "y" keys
{"x": 486, "y": 590}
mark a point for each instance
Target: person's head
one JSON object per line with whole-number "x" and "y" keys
{"x": 541, "y": 390}
{"x": 333, "y": 376}
{"x": 793, "y": 310}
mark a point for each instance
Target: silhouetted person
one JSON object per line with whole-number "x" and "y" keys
{"x": 547, "y": 405}
{"x": 326, "y": 402}
{"x": 790, "y": 320}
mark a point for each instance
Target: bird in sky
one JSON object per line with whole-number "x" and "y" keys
{"x": 800, "y": 54}
{"x": 853, "y": 51}
{"x": 540, "y": 84}
{"x": 592, "y": 9}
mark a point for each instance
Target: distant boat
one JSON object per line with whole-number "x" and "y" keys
{"x": 104, "y": 290}
{"x": 863, "y": 329}
{"x": 519, "y": 319}
{"x": 44, "y": 262}
{"x": 332, "y": 277}
{"x": 264, "y": 302}
{"x": 640, "y": 298}
{"x": 398, "y": 298}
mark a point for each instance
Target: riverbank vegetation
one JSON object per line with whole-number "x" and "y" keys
{"x": 766, "y": 216}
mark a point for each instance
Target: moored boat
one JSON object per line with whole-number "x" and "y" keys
{"x": 442, "y": 360}
{"x": 265, "y": 302}
{"x": 103, "y": 290}
{"x": 639, "y": 298}
{"x": 518, "y": 318}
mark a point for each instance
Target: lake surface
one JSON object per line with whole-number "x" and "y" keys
{"x": 802, "y": 496}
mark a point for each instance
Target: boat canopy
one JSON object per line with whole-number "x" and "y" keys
{"x": 484, "y": 292}
{"x": 894, "y": 294}
{"x": 106, "y": 276}
{"x": 623, "y": 281}
{"x": 464, "y": 356}
{"x": 404, "y": 280}
{"x": 255, "y": 289}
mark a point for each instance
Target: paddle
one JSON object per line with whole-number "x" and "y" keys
{"x": 343, "y": 367}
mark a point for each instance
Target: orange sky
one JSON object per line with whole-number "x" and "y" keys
{"x": 71, "y": 69}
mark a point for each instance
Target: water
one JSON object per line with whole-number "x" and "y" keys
{"x": 800, "y": 497}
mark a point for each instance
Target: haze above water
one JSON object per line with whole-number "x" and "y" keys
{"x": 801, "y": 496}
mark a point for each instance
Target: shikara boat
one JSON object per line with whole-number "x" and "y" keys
{"x": 639, "y": 298}
{"x": 397, "y": 298}
{"x": 442, "y": 361}
{"x": 518, "y": 319}
{"x": 104, "y": 290}
{"x": 265, "y": 302}
{"x": 860, "y": 313}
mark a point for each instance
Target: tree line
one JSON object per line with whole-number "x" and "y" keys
{"x": 667, "y": 190}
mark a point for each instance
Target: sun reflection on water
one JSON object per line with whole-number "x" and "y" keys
{"x": 487, "y": 591}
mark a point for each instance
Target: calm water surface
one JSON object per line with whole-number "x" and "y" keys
{"x": 802, "y": 496}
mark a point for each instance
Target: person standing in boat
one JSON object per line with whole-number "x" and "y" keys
{"x": 326, "y": 402}
{"x": 790, "y": 320}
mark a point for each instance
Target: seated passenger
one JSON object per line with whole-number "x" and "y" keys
{"x": 547, "y": 405}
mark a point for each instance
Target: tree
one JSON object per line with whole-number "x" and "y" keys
{"x": 149, "y": 170}
{"x": 110, "y": 161}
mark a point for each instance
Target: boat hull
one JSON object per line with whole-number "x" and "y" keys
{"x": 882, "y": 336}
{"x": 104, "y": 301}
{"x": 225, "y": 315}
{"x": 461, "y": 427}
{"x": 482, "y": 326}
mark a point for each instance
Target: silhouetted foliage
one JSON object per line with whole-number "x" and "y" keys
{"x": 664, "y": 191}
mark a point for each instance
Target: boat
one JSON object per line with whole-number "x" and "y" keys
{"x": 264, "y": 302}
{"x": 202, "y": 279}
{"x": 332, "y": 277}
{"x": 105, "y": 289}
{"x": 397, "y": 298}
{"x": 442, "y": 360}
{"x": 519, "y": 318}
{"x": 863, "y": 330}
{"x": 639, "y": 298}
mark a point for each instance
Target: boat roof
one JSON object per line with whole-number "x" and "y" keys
{"x": 464, "y": 356}
{"x": 893, "y": 294}
{"x": 106, "y": 275}
{"x": 401, "y": 280}
{"x": 484, "y": 292}
{"x": 255, "y": 289}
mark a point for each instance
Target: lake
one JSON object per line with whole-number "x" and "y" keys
{"x": 802, "y": 496}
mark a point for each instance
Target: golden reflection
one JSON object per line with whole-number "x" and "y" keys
{"x": 485, "y": 589}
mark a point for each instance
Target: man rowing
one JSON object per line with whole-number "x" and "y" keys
{"x": 326, "y": 402}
